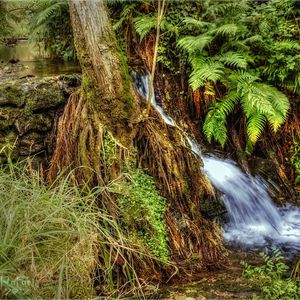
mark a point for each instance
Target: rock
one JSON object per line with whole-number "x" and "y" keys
{"x": 45, "y": 95}
{"x": 29, "y": 111}
{"x": 31, "y": 143}
{"x": 13, "y": 61}
{"x": 11, "y": 95}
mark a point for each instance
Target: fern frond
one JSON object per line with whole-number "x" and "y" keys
{"x": 49, "y": 10}
{"x": 226, "y": 7}
{"x": 255, "y": 126}
{"x": 253, "y": 39}
{"x": 207, "y": 70}
{"x": 144, "y": 24}
{"x": 227, "y": 29}
{"x": 241, "y": 78}
{"x": 279, "y": 101}
{"x": 254, "y": 98}
{"x": 215, "y": 125}
{"x": 228, "y": 102}
{"x": 233, "y": 59}
{"x": 193, "y": 44}
{"x": 124, "y": 15}
{"x": 199, "y": 24}
{"x": 286, "y": 45}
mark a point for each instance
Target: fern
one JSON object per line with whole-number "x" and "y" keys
{"x": 227, "y": 29}
{"x": 143, "y": 24}
{"x": 193, "y": 44}
{"x": 215, "y": 125}
{"x": 260, "y": 103}
{"x": 255, "y": 126}
{"x": 51, "y": 25}
{"x": 199, "y": 24}
{"x": 205, "y": 70}
{"x": 126, "y": 11}
{"x": 233, "y": 59}
{"x": 229, "y": 102}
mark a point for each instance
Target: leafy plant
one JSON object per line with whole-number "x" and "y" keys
{"x": 271, "y": 278}
{"x": 260, "y": 103}
{"x": 50, "y": 25}
{"x": 143, "y": 210}
{"x": 295, "y": 159}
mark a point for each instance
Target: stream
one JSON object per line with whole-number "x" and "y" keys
{"x": 254, "y": 221}
{"x": 35, "y": 60}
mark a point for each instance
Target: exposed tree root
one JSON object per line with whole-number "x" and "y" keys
{"x": 85, "y": 146}
{"x": 163, "y": 152}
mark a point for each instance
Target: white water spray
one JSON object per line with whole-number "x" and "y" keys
{"x": 253, "y": 219}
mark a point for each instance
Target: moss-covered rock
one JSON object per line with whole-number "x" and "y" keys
{"x": 44, "y": 96}
{"x": 11, "y": 95}
{"x": 29, "y": 110}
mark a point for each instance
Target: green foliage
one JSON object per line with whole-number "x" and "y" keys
{"x": 260, "y": 103}
{"x": 143, "y": 210}
{"x": 230, "y": 50}
{"x": 54, "y": 239}
{"x": 295, "y": 159}
{"x": 4, "y": 21}
{"x": 271, "y": 278}
{"x": 50, "y": 25}
{"x": 45, "y": 232}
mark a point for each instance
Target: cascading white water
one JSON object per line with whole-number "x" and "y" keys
{"x": 253, "y": 219}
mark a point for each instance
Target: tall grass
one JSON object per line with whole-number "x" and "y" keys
{"x": 56, "y": 243}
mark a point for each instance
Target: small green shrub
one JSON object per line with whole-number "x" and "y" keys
{"x": 295, "y": 159}
{"x": 143, "y": 210}
{"x": 272, "y": 277}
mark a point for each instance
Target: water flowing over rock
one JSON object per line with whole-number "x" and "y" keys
{"x": 253, "y": 219}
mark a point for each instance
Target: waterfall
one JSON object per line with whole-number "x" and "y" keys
{"x": 253, "y": 218}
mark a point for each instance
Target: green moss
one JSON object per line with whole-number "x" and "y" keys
{"x": 109, "y": 145}
{"x": 127, "y": 97}
{"x": 11, "y": 95}
{"x": 143, "y": 211}
{"x": 43, "y": 97}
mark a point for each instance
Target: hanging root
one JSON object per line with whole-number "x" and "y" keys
{"x": 163, "y": 151}
{"x": 85, "y": 146}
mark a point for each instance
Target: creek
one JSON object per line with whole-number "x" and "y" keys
{"x": 36, "y": 61}
{"x": 253, "y": 220}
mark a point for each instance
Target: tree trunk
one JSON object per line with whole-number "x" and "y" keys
{"x": 103, "y": 109}
{"x": 105, "y": 72}
{"x": 101, "y": 124}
